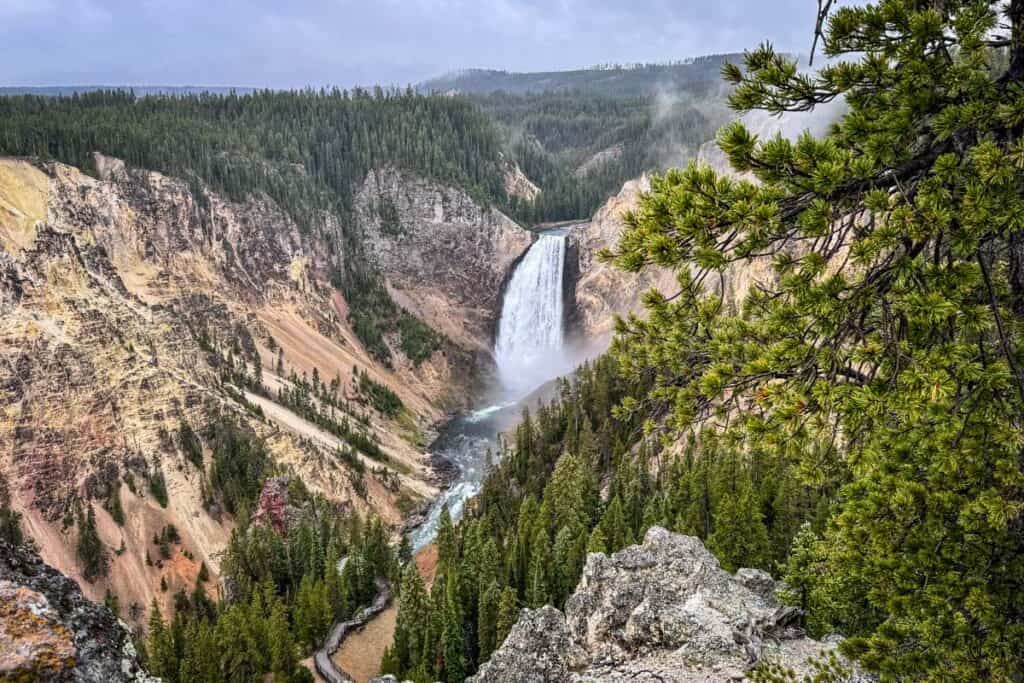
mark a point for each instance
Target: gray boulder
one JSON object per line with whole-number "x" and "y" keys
{"x": 664, "y": 611}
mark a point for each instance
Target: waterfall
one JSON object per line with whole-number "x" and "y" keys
{"x": 528, "y": 348}
{"x": 528, "y": 351}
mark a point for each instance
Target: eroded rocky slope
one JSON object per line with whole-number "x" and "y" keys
{"x": 603, "y": 291}
{"x": 129, "y": 305}
{"x": 445, "y": 257}
{"x": 661, "y": 611}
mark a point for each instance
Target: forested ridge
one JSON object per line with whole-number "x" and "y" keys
{"x": 856, "y": 425}
{"x": 580, "y": 147}
{"x": 308, "y": 150}
{"x": 615, "y": 80}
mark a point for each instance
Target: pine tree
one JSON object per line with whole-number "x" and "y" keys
{"x": 90, "y": 548}
{"x": 163, "y": 661}
{"x": 616, "y": 533}
{"x": 508, "y": 614}
{"x": 596, "y": 542}
{"x": 884, "y": 354}
{"x": 487, "y": 625}
{"x": 447, "y": 544}
{"x": 538, "y": 592}
{"x": 332, "y": 585}
{"x": 567, "y": 565}
{"x": 10, "y": 525}
{"x": 740, "y": 538}
{"x": 200, "y": 663}
{"x": 454, "y": 641}
{"x": 313, "y": 614}
{"x": 524, "y": 533}
{"x": 282, "y": 644}
{"x": 412, "y": 623}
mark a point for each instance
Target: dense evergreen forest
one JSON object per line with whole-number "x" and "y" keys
{"x": 307, "y": 150}
{"x": 579, "y": 135}
{"x": 288, "y": 585}
{"x": 576, "y": 480}
{"x": 855, "y": 426}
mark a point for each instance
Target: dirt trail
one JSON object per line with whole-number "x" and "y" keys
{"x": 360, "y": 654}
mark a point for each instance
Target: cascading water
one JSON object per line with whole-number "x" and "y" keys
{"x": 528, "y": 352}
{"x": 528, "y": 348}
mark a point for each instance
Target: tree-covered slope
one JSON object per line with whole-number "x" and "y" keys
{"x": 308, "y": 150}
{"x": 579, "y": 135}
{"x": 580, "y": 147}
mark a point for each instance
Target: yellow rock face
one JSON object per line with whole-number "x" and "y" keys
{"x": 101, "y": 284}
{"x": 24, "y": 191}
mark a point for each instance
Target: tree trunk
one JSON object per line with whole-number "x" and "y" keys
{"x": 1015, "y": 15}
{"x": 1016, "y": 260}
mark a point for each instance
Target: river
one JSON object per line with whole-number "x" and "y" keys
{"x": 529, "y": 350}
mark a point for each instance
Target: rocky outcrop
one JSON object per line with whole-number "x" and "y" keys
{"x": 443, "y": 255}
{"x": 603, "y": 291}
{"x": 517, "y": 184}
{"x": 660, "y": 611}
{"x": 49, "y": 631}
{"x": 600, "y": 159}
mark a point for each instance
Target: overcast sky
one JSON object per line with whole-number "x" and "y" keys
{"x": 283, "y": 43}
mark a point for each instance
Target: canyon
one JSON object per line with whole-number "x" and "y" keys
{"x": 123, "y": 302}
{"x": 126, "y": 297}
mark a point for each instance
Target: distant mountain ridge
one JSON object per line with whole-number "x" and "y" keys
{"x": 618, "y": 80}
{"x": 140, "y": 90}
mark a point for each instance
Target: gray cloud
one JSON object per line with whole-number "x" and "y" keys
{"x": 282, "y": 43}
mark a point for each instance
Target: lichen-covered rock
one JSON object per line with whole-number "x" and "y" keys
{"x": 664, "y": 610}
{"x": 32, "y": 639}
{"x": 539, "y": 648}
{"x": 49, "y": 631}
